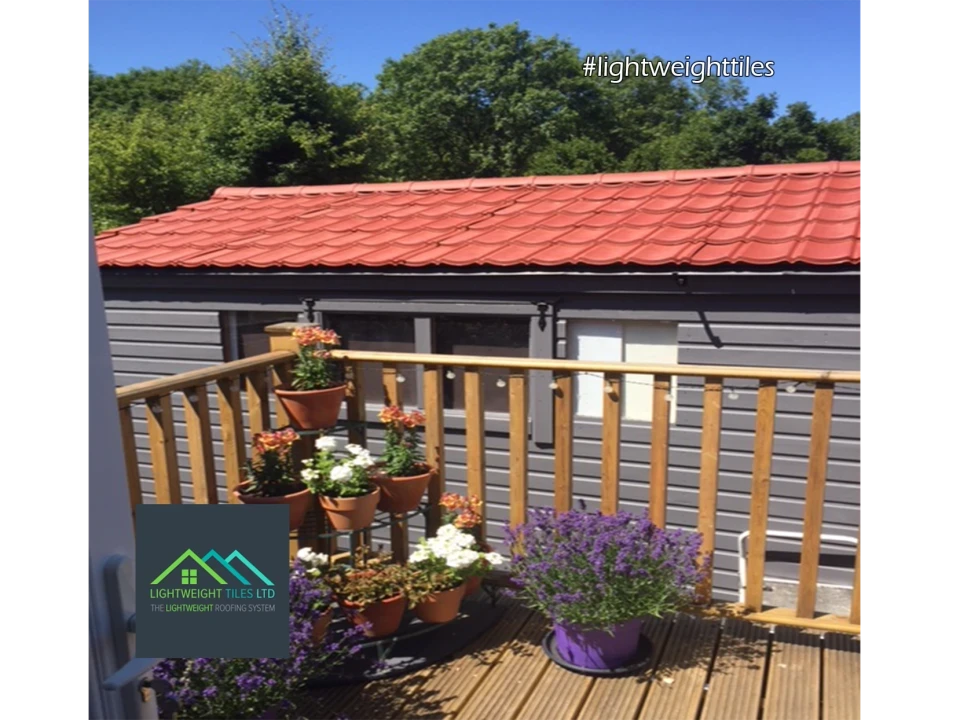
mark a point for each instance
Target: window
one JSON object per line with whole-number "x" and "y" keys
{"x": 464, "y": 335}
{"x": 243, "y": 334}
{"x": 380, "y": 334}
{"x": 188, "y": 577}
{"x": 651, "y": 342}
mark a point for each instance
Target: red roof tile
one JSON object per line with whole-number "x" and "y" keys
{"x": 754, "y": 215}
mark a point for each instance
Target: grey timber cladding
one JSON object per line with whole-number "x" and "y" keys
{"x": 820, "y": 334}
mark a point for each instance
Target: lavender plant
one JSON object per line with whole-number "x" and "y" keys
{"x": 597, "y": 571}
{"x": 250, "y": 687}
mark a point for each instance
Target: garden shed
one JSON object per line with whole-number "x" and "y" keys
{"x": 751, "y": 266}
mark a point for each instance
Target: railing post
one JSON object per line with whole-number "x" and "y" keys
{"x": 231, "y": 432}
{"x": 760, "y": 492}
{"x": 434, "y": 440}
{"x": 855, "y": 597}
{"x": 709, "y": 471}
{"x": 518, "y": 446}
{"x": 813, "y": 507}
{"x": 130, "y": 460}
{"x": 659, "y": 449}
{"x": 563, "y": 441}
{"x": 163, "y": 450}
{"x": 476, "y": 449}
{"x": 200, "y": 445}
{"x": 610, "y": 450}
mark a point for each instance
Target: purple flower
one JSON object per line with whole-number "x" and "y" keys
{"x": 596, "y": 571}
{"x": 246, "y": 688}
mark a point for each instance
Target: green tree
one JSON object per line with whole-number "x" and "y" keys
{"x": 480, "y": 103}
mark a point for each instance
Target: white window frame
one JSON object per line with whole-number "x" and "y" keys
{"x": 622, "y": 341}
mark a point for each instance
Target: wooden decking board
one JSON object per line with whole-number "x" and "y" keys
{"x": 504, "y": 675}
{"x": 621, "y": 698}
{"x": 735, "y": 686}
{"x": 558, "y": 695}
{"x": 841, "y": 677}
{"x": 677, "y": 688}
{"x": 453, "y": 683}
{"x": 511, "y": 680}
{"x": 793, "y": 676}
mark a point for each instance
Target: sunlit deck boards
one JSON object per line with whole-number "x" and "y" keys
{"x": 705, "y": 669}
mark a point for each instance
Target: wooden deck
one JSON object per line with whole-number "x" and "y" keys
{"x": 705, "y": 670}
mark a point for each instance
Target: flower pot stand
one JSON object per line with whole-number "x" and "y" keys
{"x": 414, "y": 646}
{"x": 640, "y": 662}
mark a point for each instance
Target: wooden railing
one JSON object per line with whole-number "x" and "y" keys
{"x": 255, "y": 371}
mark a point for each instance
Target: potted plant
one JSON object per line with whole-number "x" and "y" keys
{"x": 373, "y": 594}
{"x": 313, "y": 401}
{"x": 271, "y": 478}
{"x": 401, "y": 472}
{"x": 311, "y": 567}
{"x": 596, "y": 576}
{"x": 255, "y": 687}
{"x": 347, "y": 494}
{"x": 463, "y": 513}
{"x": 440, "y": 566}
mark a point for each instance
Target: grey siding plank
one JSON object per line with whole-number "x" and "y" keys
{"x": 159, "y": 338}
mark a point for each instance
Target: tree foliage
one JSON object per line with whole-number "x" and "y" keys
{"x": 488, "y": 102}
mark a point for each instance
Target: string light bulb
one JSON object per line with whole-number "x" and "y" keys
{"x": 451, "y": 374}
{"x": 401, "y": 378}
{"x": 733, "y": 395}
{"x": 501, "y": 382}
{"x": 792, "y": 388}
{"x": 608, "y": 389}
{"x": 553, "y": 385}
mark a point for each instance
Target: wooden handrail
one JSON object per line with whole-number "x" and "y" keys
{"x": 173, "y": 383}
{"x": 575, "y": 366}
{"x": 252, "y": 378}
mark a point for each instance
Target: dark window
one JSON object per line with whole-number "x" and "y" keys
{"x": 380, "y": 334}
{"x": 481, "y": 336}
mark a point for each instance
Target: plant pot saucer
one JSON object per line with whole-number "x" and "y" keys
{"x": 640, "y": 662}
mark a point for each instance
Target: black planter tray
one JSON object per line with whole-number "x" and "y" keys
{"x": 414, "y": 646}
{"x": 640, "y": 662}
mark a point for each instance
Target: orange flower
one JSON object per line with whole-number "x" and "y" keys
{"x": 278, "y": 442}
{"x": 314, "y": 335}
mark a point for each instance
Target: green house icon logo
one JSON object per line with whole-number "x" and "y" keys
{"x": 189, "y": 575}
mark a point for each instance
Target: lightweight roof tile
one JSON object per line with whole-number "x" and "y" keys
{"x": 760, "y": 215}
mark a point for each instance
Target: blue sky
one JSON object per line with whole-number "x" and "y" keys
{"x": 815, "y": 45}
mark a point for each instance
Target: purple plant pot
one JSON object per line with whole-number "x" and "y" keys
{"x": 598, "y": 649}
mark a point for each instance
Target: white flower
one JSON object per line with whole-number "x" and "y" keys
{"x": 419, "y": 556}
{"x": 355, "y": 449}
{"x": 309, "y": 475}
{"x": 326, "y": 442}
{"x": 341, "y": 473}
{"x": 363, "y": 460}
{"x": 312, "y": 559}
{"x": 465, "y": 541}
{"x": 462, "y": 559}
{"x": 494, "y": 558}
{"x": 447, "y": 531}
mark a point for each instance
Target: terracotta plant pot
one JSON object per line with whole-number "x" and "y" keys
{"x": 441, "y": 607}
{"x": 384, "y": 616}
{"x": 402, "y": 494}
{"x": 299, "y": 502}
{"x": 321, "y": 625}
{"x": 471, "y": 585}
{"x": 353, "y": 513}
{"x": 312, "y": 409}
